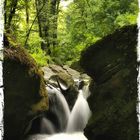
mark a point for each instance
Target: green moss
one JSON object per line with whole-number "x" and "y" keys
{"x": 110, "y": 53}
{"x": 71, "y": 91}
{"x": 112, "y": 63}
{"x": 24, "y": 89}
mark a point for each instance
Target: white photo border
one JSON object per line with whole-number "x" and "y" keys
{"x": 1, "y": 68}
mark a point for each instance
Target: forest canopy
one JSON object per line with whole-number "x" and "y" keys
{"x": 56, "y": 31}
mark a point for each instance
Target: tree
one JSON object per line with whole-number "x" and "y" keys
{"x": 51, "y": 33}
{"x": 10, "y": 7}
{"x": 27, "y": 14}
{"x": 47, "y": 22}
{"x": 92, "y": 20}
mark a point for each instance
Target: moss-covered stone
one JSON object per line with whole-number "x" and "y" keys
{"x": 71, "y": 91}
{"x": 64, "y": 78}
{"x": 112, "y": 63}
{"x": 24, "y": 89}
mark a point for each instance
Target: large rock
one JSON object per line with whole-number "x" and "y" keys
{"x": 24, "y": 89}
{"x": 63, "y": 78}
{"x": 112, "y": 63}
{"x": 52, "y": 69}
{"x": 67, "y": 77}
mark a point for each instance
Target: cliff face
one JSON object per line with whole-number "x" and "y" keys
{"x": 112, "y": 63}
{"x": 24, "y": 89}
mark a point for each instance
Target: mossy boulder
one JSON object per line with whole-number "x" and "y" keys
{"x": 25, "y": 94}
{"x": 63, "y": 79}
{"x": 112, "y": 63}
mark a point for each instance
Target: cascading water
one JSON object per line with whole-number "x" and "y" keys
{"x": 70, "y": 124}
{"x": 46, "y": 126}
{"x": 79, "y": 115}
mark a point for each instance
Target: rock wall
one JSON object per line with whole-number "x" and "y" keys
{"x": 112, "y": 63}
{"x": 24, "y": 89}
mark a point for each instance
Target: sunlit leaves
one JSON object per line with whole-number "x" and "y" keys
{"x": 76, "y": 26}
{"x": 86, "y": 21}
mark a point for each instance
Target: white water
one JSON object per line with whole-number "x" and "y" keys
{"x": 60, "y": 136}
{"x": 74, "y": 122}
{"x": 79, "y": 115}
{"x": 47, "y": 126}
{"x": 59, "y": 107}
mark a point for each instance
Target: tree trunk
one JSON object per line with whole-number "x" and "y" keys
{"x": 27, "y": 14}
{"x": 43, "y": 24}
{"x": 5, "y": 13}
{"x": 54, "y": 10}
{"x": 12, "y": 12}
{"x": 47, "y": 23}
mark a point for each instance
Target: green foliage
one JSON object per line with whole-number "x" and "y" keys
{"x": 126, "y": 19}
{"x": 60, "y": 37}
{"x": 86, "y": 21}
{"x": 39, "y": 56}
{"x": 35, "y": 50}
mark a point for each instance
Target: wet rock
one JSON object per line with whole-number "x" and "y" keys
{"x": 75, "y": 74}
{"x": 25, "y": 94}
{"x": 60, "y": 78}
{"x": 112, "y": 63}
{"x": 56, "y": 69}
{"x": 66, "y": 79}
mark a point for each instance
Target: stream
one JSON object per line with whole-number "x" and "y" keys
{"x": 60, "y": 122}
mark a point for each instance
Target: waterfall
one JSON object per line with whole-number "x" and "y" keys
{"x": 79, "y": 115}
{"x": 61, "y": 124}
{"x": 46, "y": 126}
{"x": 59, "y": 107}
